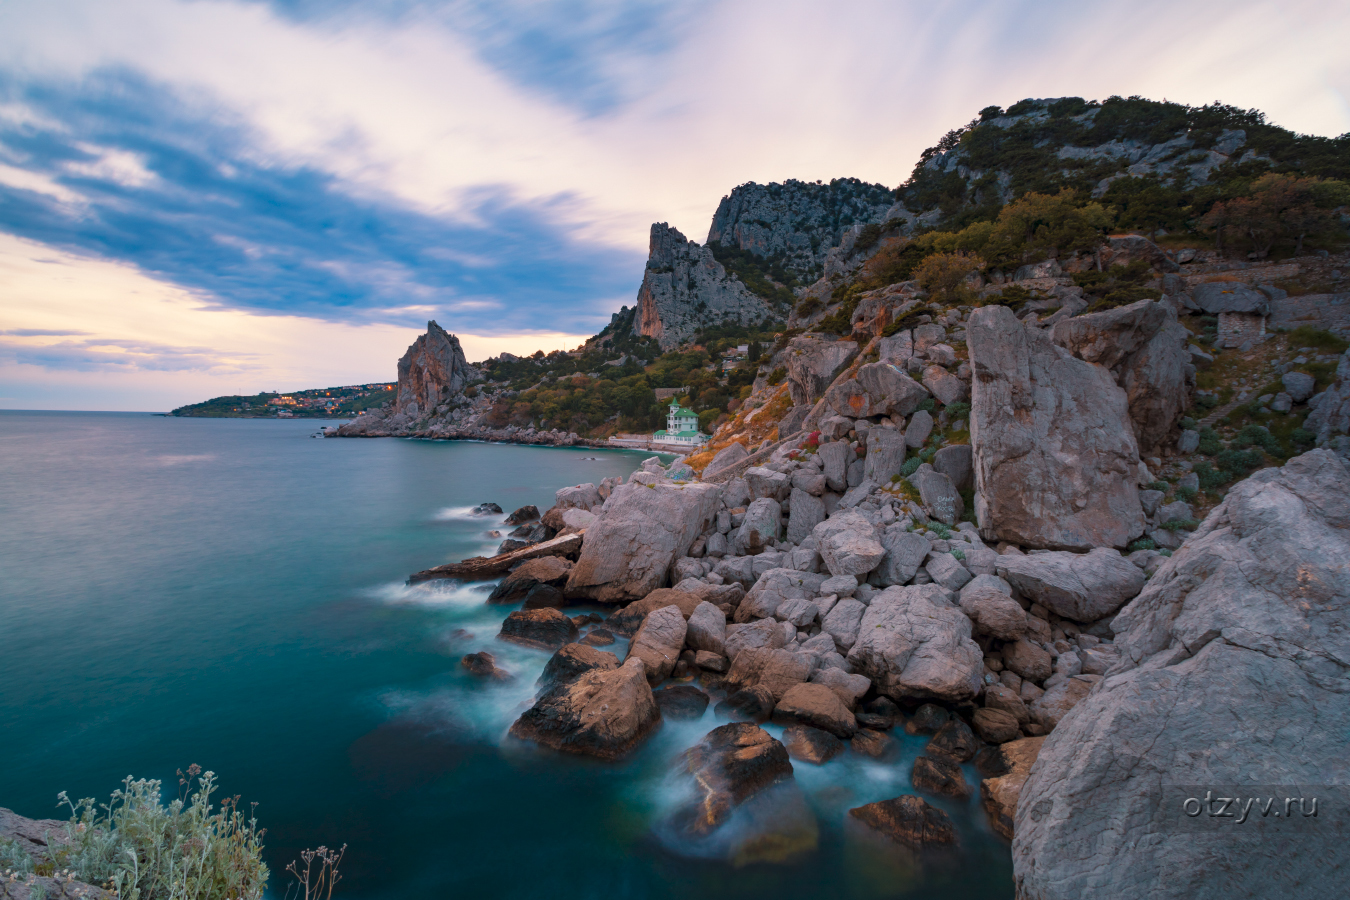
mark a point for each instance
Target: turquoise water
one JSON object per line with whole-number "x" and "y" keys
{"x": 231, "y": 593}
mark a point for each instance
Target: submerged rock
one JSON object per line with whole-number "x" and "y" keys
{"x": 908, "y": 820}
{"x": 811, "y": 744}
{"x": 681, "y": 701}
{"x": 730, "y": 765}
{"x": 544, "y": 628}
{"x": 939, "y": 775}
{"x": 604, "y": 713}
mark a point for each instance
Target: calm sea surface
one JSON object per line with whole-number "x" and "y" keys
{"x": 231, "y": 593}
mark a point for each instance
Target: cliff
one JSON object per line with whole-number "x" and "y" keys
{"x": 685, "y": 288}
{"x": 433, "y": 373}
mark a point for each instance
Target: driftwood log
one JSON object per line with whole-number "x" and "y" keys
{"x": 483, "y": 567}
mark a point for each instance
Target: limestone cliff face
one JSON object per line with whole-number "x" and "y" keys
{"x": 685, "y": 288}
{"x": 433, "y": 370}
{"x": 798, "y": 221}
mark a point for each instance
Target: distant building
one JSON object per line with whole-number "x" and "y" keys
{"x": 668, "y": 393}
{"x": 681, "y": 427}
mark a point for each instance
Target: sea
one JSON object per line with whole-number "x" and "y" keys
{"x": 233, "y": 593}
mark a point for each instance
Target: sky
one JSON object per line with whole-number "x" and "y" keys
{"x": 207, "y": 197}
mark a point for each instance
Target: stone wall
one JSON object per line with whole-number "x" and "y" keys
{"x": 1329, "y": 311}
{"x": 1236, "y": 329}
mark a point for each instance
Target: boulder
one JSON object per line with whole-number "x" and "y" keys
{"x": 732, "y": 763}
{"x": 1083, "y": 587}
{"x": 763, "y": 633}
{"x": 548, "y": 570}
{"x": 1052, "y": 706}
{"x": 994, "y": 613}
{"x": 905, "y": 553}
{"x": 955, "y": 462}
{"x": 907, "y": 820}
{"x": 809, "y": 480}
{"x": 725, "y": 458}
{"x": 545, "y": 628}
{"x": 707, "y": 628}
{"x": 574, "y": 660}
{"x": 767, "y": 483}
{"x": 835, "y": 457}
{"x": 811, "y": 744}
{"x": 818, "y": 706}
{"x": 1232, "y": 673}
{"x": 940, "y": 498}
{"x": 1331, "y": 415}
{"x": 850, "y": 399}
{"x": 1056, "y": 459}
{"x": 709, "y": 661}
{"x": 1005, "y": 699}
{"x": 945, "y": 387}
{"x": 643, "y": 529}
{"x": 525, "y": 514}
{"x": 885, "y": 455}
{"x": 874, "y": 744}
{"x": 996, "y": 726}
{"x": 749, "y": 705}
{"x": 842, "y": 622}
{"x": 1144, "y": 346}
{"x": 658, "y": 642}
{"x": 999, "y": 794}
{"x": 776, "y": 670}
{"x": 681, "y": 702}
{"x": 604, "y": 714}
{"x": 913, "y": 643}
{"x": 929, "y": 718}
{"x": 813, "y": 363}
{"x": 761, "y": 528}
{"x": 1217, "y": 297}
{"x": 848, "y": 687}
{"x": 947, "y": 571}
{"x": 627, "y": 620}
{"x": 1298, "y": 385}
{"x": 1027, "y": 660}
{"x": 808, "y": 511}
{"x": 919, "y": 428}
{"x": 954, "y": 740}
{"x": 772, "y": 588}
{"x": 897, "y": 348}
{"x": 483, "y": 665}
{"x": 847, "y": 544}
{"x": 890, "y": 391}
{"x": 941, "y": 776}
{"x": 581, "y": 496}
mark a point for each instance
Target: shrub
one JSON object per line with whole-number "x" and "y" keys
{"x": 958, "y": 410}
{"x": 941, "y": 530}
{"x": 1209, "y": 441}
{"x": 183, "y": 851}
{"x": 944, "y": 275}
{"x": 910, "y": 466}
{"x": 777, "y": 376}
{"x": 1157, "y": 486}
{"x": 1240, "y": 463}
{"x": 927, "y": 405}
{"x": 1210, "y": 477}
{"x": 13, "y": 858}
{"x": 1206, "y": 401}
{"x": 1186, "y": 493}
{"x": 1308, "y": 336}
{"x": 1181, "y": 525}
{"x": 1302, "y": 439}
{"x": 1256, "y": 436}
{"x": 959, "y": 554}
{"x": 1141, "y": 544}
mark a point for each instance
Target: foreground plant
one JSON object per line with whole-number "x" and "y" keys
{"x": 142, "y": 850}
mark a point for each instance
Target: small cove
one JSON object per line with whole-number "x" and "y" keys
{"x": 231, "y": 593}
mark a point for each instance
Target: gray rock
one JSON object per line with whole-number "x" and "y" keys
{"x": 1083, "y": 587}
{"x": 1149, "y": 500}
{"x": 1298, "y": 385}
{"x": 1233, "y": 654}
{"x": 839, "y": 585}
{"x": 1282, "y": 403}
{"x": 1034, "y": 406}
{"x": 849, "y": 398}
{"x": 848, "y": 687}
{"x": 912, "y": 643}
{"x": 842, "y": 622}
{"x": 603, "y": 713}
{"x": 897, "y": 348}
{"x": 1189, "y": 441}
{"x": 809, "y": 480}
{"x": 945, "y": 387}
{"x": 1331, "y": 417}
{"x": 817, "y": 706}
{"x": 813, "y": 363}
{"x": 767, "y": 483}
{"x": 716, "y": 545}
{"x": 947, "y": 571}
{"x": 993, "y": 612}
{"x": 885, "y": 455}
{"x": 1230, "y": 296}
{"x": 940, "y": 498}
{"x": 772, "y": 588}
{"x": 955, "y": 462}
{"x": 776, "y": 670}
{"x": 1188, "y": 482}
{"x": 857, "y": 472}
{"x": 761, "y": 528}
{"x": 725, "y": 458}
{"x": 905, "y": 553}
{"x": 800, "y": 613}
{"x": 1177, "y": 511}
{"x": 847, "y": 544}
{"x": 706, "y": 629}
{"x": 808, "y": 511}
{"x": 658, "y": 642}
{"x": 890, "y": 391}
{"x": 1029, "y": 661}
{"x": 735, "y": 493}
{"x": 642, "y": 530}
{"x": 835, "y": 457}
{"x": 581, "y": 496}
{"x": 919, "y": 428}
{"x": 761, "y": 633}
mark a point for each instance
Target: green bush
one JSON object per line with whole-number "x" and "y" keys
{"x": 1302, "y": 439}
{"x": 1206, "y": 401}
{"x": 777, "y": 376}
{"x": 1186, "y": 493}
{"x": 1181, "y": 525}
{"x": 959, "y": 554}
{"x": 1210, "y": 477}
{"x": 1157, "y": 486}
{"x": 148, "y": 851}
{"x": 13, "y": 858}
{"x": 1142, "y": 543}
{"x": 1256, "y": 436}
{"x": 958, "y": 410}
{"x": 1209, "y": 441}
{"x": 1308, "y": 336}
{"x": 1240, "y": 463}
{"x": 941, "y": 530}
{"x": 910, "y": 466}
{"x": 927, "y": 405}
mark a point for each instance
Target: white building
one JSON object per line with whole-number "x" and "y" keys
{"x": 681, "y": 427}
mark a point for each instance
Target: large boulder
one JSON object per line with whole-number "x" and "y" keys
{"x": 1084, "y": 587}
{"x": 574, "y": 660}
{"x": 905, "y": 553}
{"x": 546, "y": 570}
{"x": 604, "y": 713}
{"x": 908, "y": 820}
{"x": 818, "y": 706}
{"x": 761, "y": 528}
{"x": 725, "y": 458}
{"x": 848, "y": 398}
{"x": 1216, "y": 297}
{"x": 945, "y": 387}
{"x": 643, "y": 529}
{"x": 847, "y": 544}
{"x": 891, "y": 391}
{"x": 774, "y": 587}
{"x": 940, "y": 497}
{"x": 912, "y": 643}
{"x": 808, "y": 511}
{"x": 994, "y": 612}
{"x": 545, "y": 628}
{"x": 658, "y": 642}
{"x": 1056, "y": 460}
{"x": 730, "y": 765}
{"x": 761, "y": 633}
{"x": 706, "y": 628}
{"x": 1144, "y": 346}
{"x": 776, "y": 670}
{"x": 627, "y": 620}
{"x": 580, "y": 496}
{"x": 885, "y": 455}
{"x": 955, "y": 462}
{"x": 835, "y": 458}
{"x": 812, "y": 364}
{"x": 1232, "y": 676}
